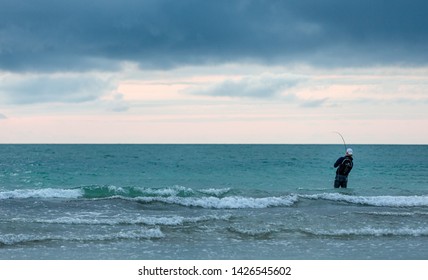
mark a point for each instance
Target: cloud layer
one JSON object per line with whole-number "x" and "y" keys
{"x": 263, "y": 86}
{"x": 50, "y": 35}
{"x": 30, "y": 89}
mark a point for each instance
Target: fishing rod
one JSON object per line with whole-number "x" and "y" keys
{"x": 343, "y": 139}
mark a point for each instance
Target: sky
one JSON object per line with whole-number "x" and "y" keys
{"x": 224, "y": 71}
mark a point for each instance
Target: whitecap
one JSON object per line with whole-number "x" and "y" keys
{"x": 231, "y": 202}
{"x": 214, "y": 192}
{"x": 170, "y": 191}
{"x": 12, "y": 239}
{"x": 391, "y": 201}
{"x": 149, "y": 220}
{"x": 42, "y": 193}
{"x": 369, "y": 231}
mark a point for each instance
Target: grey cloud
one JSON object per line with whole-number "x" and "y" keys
{"x": 44, "y": 88}
{"x": 264, "y": 86}
{"x": 118, "y": 104}
{"x": 51, "y": 35}
{"x": 2, "y": 117}
{"x": 313, "y": 103}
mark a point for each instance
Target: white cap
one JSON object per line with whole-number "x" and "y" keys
{"x": 349, "y": 151}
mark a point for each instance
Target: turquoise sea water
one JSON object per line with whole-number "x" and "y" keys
{"x": 212, "y": 202}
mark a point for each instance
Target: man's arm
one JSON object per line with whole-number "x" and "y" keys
{"x": 338, "y": 162}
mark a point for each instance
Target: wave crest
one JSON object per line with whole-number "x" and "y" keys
{"x": 147, "y": 220}
{"x": 369, "y": 231}
{"x": 391, "y": 201}
{"x": 12, "y": 239}
{"x": 231, "y": 202}
{"x": 42, "y": 193}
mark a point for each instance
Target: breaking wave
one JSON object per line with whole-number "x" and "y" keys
{"x": 231, "y": 202}
{"x": 42, "y": 193}
{"x": 149, "y": 221}
{"x": 388, "y": 201}
{"x": 178, "y": 195}
{"x": 369, "y": 231}
{"x": 221, "y": 198}
{"x": 13, "y": 239}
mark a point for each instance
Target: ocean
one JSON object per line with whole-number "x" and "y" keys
{"x": 212, "y": 202}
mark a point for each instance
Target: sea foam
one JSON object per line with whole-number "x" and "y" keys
{"x": 151, "y": 233}
{"x": 215, "y": 192}
{"x": 370, "y": 231}
{"x": 148, "y": 220}
{"x": 388, "y": 201}
{"x": 42, "y": 193}
{"x": 231, "y": 202}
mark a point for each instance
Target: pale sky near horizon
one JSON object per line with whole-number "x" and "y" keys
{"x": 189, "y": 71}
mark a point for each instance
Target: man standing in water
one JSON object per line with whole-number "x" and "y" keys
{"x": 344, "y": 166}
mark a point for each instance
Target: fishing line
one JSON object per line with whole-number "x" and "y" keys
{"x": 343, "y": 139}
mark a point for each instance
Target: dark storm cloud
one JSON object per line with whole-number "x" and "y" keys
{"x": 53, "y": 35}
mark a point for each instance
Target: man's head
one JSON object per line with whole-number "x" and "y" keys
{"x": 349, "y": 152}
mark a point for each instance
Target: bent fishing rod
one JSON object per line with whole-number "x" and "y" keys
{"x": 343, "y": 139}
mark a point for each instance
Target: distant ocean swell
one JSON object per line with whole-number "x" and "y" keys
{"x": 209, "y": 198}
